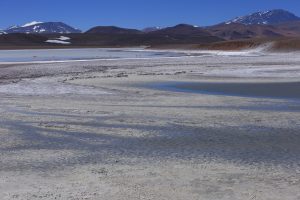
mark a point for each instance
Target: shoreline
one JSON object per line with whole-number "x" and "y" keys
{"x": 137, "y": 53}
{"x": 277, "y": 45}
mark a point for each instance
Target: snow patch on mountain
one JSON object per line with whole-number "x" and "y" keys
{"x": 12, "y": 27}
{"x": 32, "y": 23}
{"x": 59, "y": 40}
{"x": 63, "y": 38}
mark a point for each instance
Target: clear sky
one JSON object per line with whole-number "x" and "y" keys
{"x": 84, "y": 14}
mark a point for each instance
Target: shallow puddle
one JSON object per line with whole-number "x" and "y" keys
{"x": 290, "y": 90}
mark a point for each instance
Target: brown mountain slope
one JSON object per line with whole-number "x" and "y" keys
{"x": 290, "y": 28}
{"x": 236, "y": 31}
{"x": 273, "y": 44}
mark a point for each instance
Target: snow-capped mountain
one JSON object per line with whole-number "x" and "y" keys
{"x": 42, "y": 28}
{"x": 270, "y": 17}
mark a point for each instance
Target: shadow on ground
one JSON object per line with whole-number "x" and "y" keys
{"x": 251, "y": 145}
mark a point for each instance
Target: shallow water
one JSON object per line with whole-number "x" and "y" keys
{"x": 281, "y": 90}
{"x": 79, "y": 54}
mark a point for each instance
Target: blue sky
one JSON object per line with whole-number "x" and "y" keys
{"x": 84, "y": 14}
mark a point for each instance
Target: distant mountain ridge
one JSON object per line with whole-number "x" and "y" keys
{"x": 43, "y": 28}
{"x": 268, "y": 25}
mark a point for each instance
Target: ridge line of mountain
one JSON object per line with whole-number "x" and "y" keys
{"x": 271, "y": 17}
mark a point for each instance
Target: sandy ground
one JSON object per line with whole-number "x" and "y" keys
{"x": 90, "y": 130}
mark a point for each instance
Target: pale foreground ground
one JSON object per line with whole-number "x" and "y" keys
{"x": 89, "y": 130}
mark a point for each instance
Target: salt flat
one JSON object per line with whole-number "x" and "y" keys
{"x": 93, "y": 130}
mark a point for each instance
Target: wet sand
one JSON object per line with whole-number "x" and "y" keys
{"x": 87, "y": 130}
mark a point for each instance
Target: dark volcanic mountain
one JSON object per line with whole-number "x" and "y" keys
{"x": 271, "y": 17}
{"x": 21, "y": 40}
{"x": 43, "y": 28}
{"x": 112, "y": 30}
{"x": 115, "y": 36}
